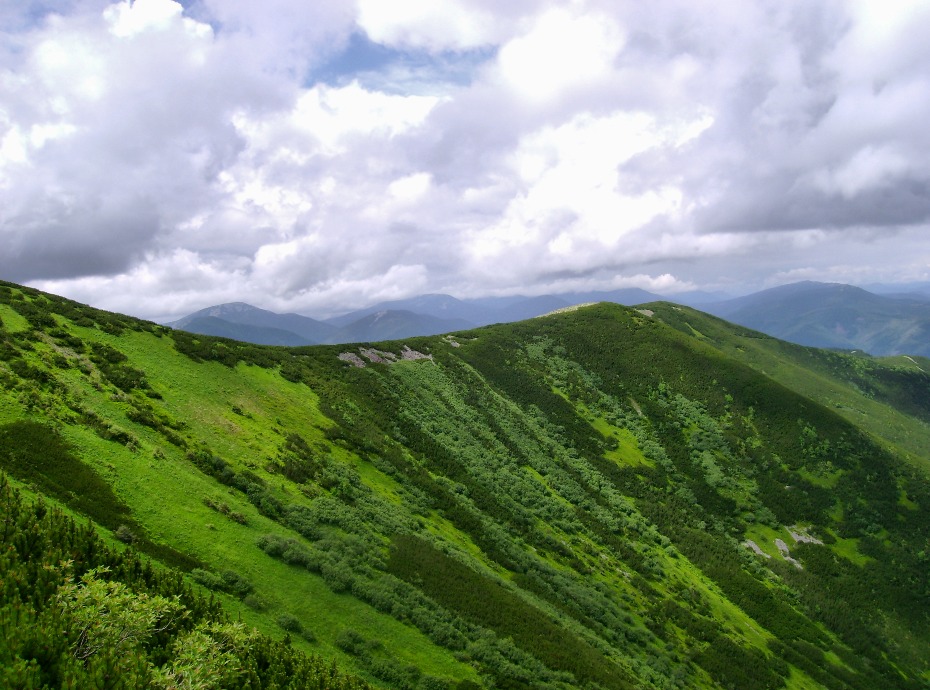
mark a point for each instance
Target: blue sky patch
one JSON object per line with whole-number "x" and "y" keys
{"x": 378, "y": 66}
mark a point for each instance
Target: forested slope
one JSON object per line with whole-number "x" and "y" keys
{"x": 601, "y": 498}
{"x": 887, "y": 396}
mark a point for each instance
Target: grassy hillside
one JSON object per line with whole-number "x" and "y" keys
{"x": 77, "y": 613}
{"x": 888, "y": 397}
{"x": 604, "y": 498}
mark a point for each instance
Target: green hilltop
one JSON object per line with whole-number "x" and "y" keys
{"x": 606, "y": 497}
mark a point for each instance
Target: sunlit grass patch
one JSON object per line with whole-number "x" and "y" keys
{"x": 848, "y": 549}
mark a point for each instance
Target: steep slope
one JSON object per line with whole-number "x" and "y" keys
{"x": 600, "y": 498}
{"x": 834, "y": 316}
{"x": 887, "y": 397}
{"x": 76, "y": 612}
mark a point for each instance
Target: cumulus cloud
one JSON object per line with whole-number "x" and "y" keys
{"x": 158, "y": 157}
{"x": 560, "y": 52}
{"x": 421, "y": 23}
{"x": 115, "y": 125}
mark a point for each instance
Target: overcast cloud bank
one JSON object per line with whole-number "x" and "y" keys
{"x": 157, "y": 158}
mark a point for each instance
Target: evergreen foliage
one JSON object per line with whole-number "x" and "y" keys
{"x": 75, "y": 613}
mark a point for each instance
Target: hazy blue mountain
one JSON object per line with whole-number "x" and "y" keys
{"x": 486, "y": 310}
{"x": 834, "y": 315}
{"x": 916, "y": 290}
{"x": 478, "y": 312}
{"x": 435, "y": 305}
{"x": 698, "y": 298}
{"x": 244, "y": 322}
{"x": 496, "y": 303}
{"x": 308, "y": 330}
{"x": 212, "y": 325}
{"x": 393, "y": 324}
{"x": 625, "y": 296}
{"x": 531, "y": 307}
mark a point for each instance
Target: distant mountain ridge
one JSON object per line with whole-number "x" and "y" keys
{"x": 213, "y": 325}
{"x": 391, "y": 324}
{"x": 834, "y": 315}
{"x": 435, "y": 305}
{"x": 428, "y": 314}
{"x": 828, "y": 315}
{"x": 255, "y": 322}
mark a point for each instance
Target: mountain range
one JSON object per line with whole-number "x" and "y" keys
{"x": 422, "y": 315}
{"x": 827, "y": 315}
{"x": 605, "y": 497}
{"x": 835, "y": 316}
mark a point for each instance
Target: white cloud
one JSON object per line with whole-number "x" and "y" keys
{"x": 333, "y": 114}
{"x": 410, "y": 188}
{"x": 329, "y": 121}
{"x": 574, "y": 211}
{"x": 561, "y": 51}
{"x": 868, "y": 168}
{"x": 884, "y": 41}
{"x": 127, "y": 18}
{"x": 120, "y": 122}
{"x": 450, "y": 25}
{"x": 149, "y": 148}
{"x": 162, "y": 288}
{"x": 281, "y": 38}
{"x": 307, "y": 171}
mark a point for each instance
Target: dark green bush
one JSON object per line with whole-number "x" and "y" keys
{"x": 226, "y": 581}
{"x": 351, "y": 642}
{"x": 290, "y": 623}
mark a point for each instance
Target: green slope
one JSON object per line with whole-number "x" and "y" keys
{"x": 887, "y": 396}
{"x": 75, "y": 612}
{"x": 563, "y": 502}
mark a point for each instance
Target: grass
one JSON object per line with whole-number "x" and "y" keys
{"x": 13, "y": 321}
{"x": 849, "y": 549}
{"x": 905, "y": 502}
{"x": 627, "y": 450}
{"x": 797, "y": 368}
{"x": 695, "y": 332}
{"x": 166, "y": 491}
{"x": 737, "y": 621}
{"x": 827, "y": 481}
{"x": 765, "y": 536}
{"x": 798, "y": 680}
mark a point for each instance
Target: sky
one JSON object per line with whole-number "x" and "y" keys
{"x": 159, "y": 157}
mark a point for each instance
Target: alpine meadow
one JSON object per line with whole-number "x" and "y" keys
{"x": 604, "y": 497}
